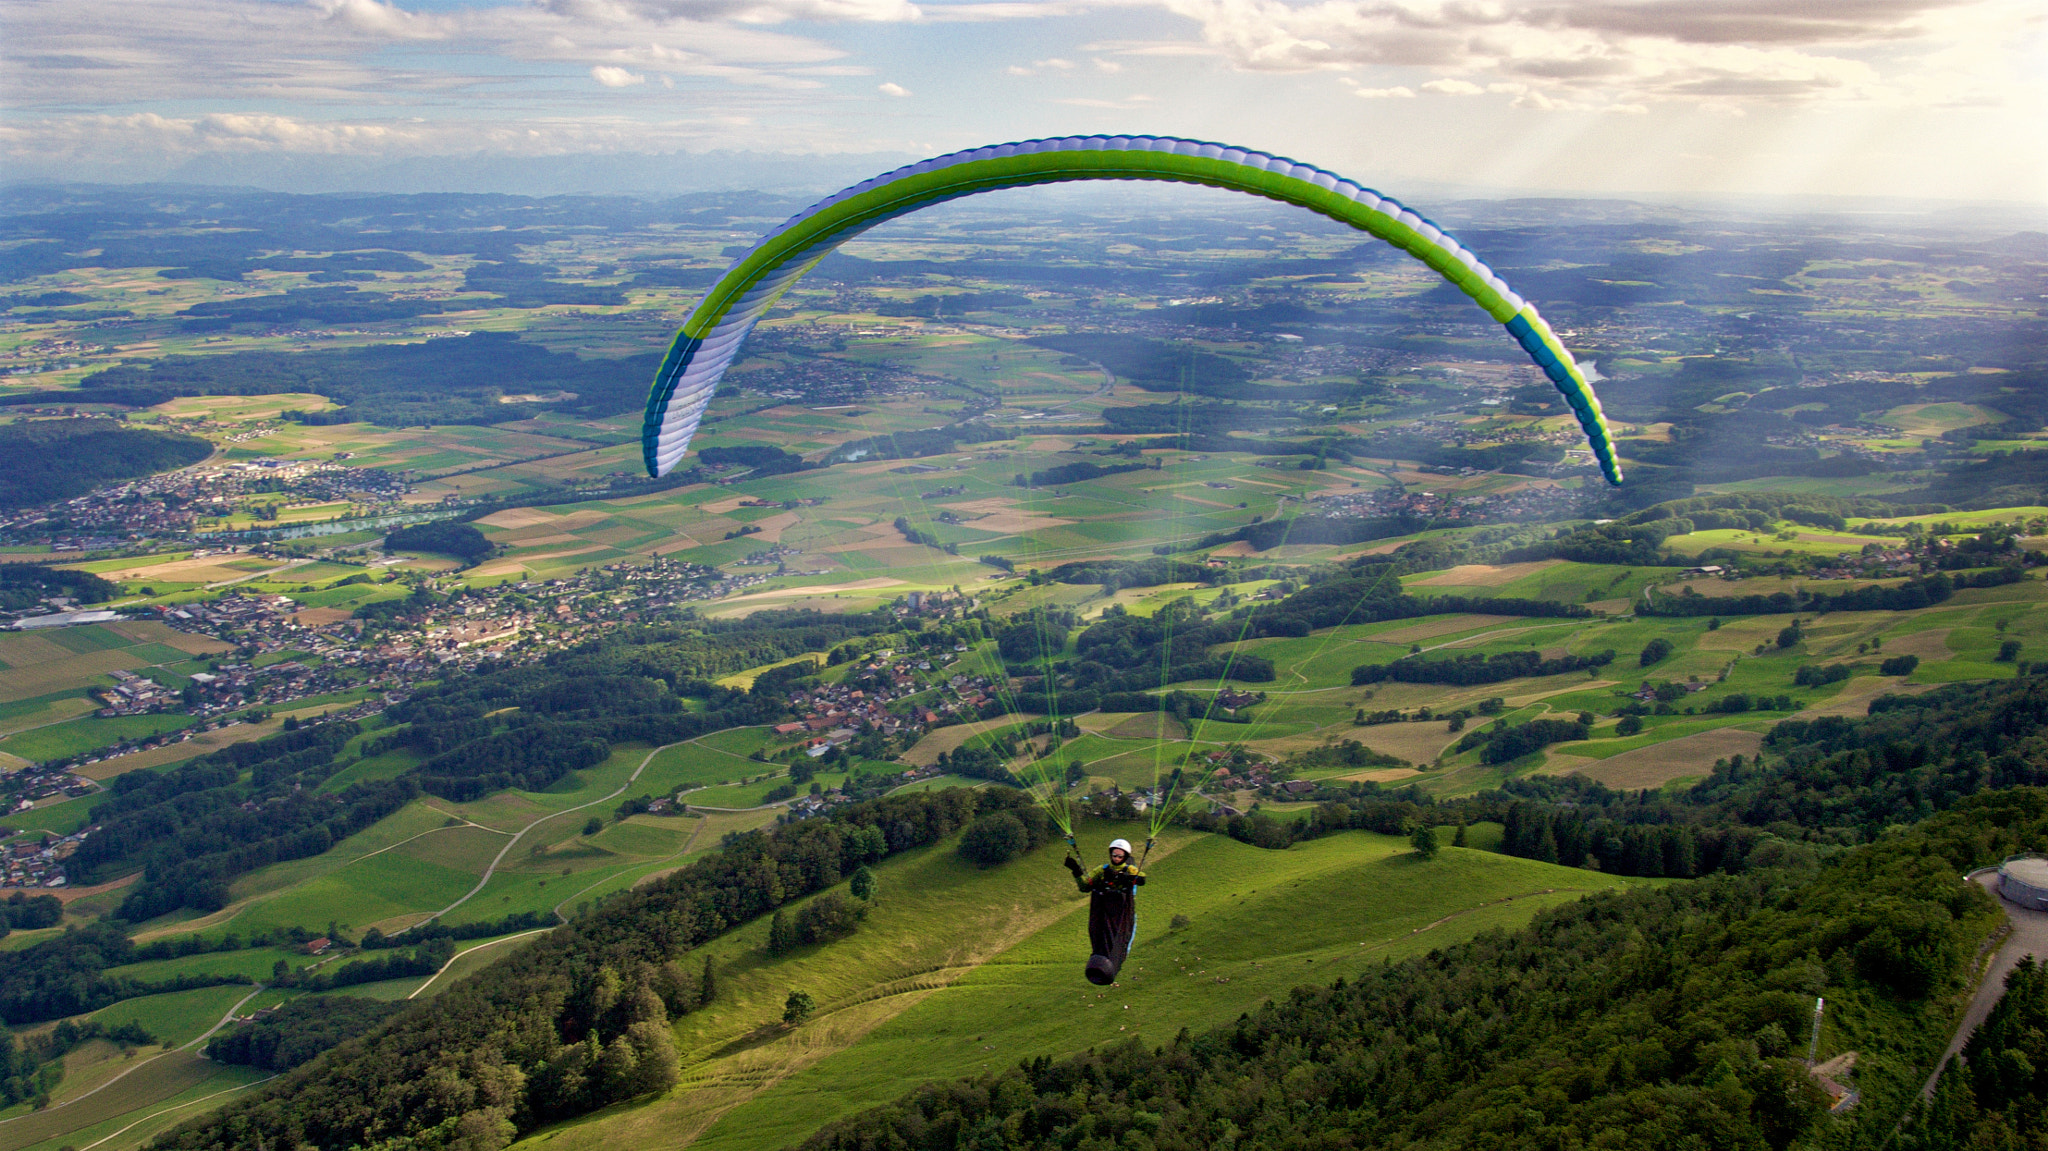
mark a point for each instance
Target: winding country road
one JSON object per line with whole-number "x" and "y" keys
{"x": 2029, "y": 937}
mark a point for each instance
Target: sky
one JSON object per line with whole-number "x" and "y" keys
{"x": 1932, "y": 100}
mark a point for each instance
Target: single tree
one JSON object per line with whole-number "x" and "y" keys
{"x": 1458, "y": 837}
{"x": 863, "y": 884}
{"x": 781, "y": 935}
{"x": 707, "y": 988}
{"x": 798, "y": 1007}
{"x": 1424, "y": 839}
{"x": 593, "y": 825}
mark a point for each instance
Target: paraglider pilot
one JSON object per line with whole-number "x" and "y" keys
{"x": 1112, "y": 909}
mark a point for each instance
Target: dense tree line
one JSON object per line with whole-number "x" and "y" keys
{"x": 1076, "y": 473}
{"x": 32, "y": 1068}
{"x": 22, "y": 912}
{"x": 1117, "y": 574}
{"x": 764, "y": 459}
{"x": 447, "y": 537}
{"x": 921, "y": 538}
{"x": 1466, "y": 670}
{"x": 66, "y": 975}
{"x": 430, "y": 382}
{"x": 1909, "y": 596}
{"x": 1185, "y": 418}
{"x": 1501, "y": 743}
{"x": 1127, "y": 653}
{"x": 1268, "y": 534}
{"x": 1373, "y": 595}
{"x": 1652, "y": 1017}
{"x": 376, "y": 940}
{"x": 425, "y": 959}
{"x": 299, "y": 1030}
{"x": 580, "y": 1018}
{"x": 22, "y": 586}
{"x": 46, "y": 460}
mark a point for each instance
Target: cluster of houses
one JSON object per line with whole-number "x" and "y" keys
{"x": 132, "y": 694}
{"x": 830, "y": 714}
{"x": 935, "y": 603}
{"x": 171, "y": 504}
{"x": 40, "y": 781}
{"x": 40, "y": 863}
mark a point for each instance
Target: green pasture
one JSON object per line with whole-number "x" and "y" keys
{"x": 1009, "y": 988}
{"x": 695, "y": 764}
{"x": 77, "y": 736}
{"x": 176, "y": 1016}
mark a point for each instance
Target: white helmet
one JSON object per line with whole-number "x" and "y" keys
{"x": 1123, "y": 845}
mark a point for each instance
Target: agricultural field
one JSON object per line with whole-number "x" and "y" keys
{"x": 46, "y": 680}
{"x": 1265, "y": 405}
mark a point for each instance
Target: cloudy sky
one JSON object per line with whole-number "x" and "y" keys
{"x": 1934, "y": 99}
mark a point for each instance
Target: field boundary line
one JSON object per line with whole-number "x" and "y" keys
{"x": 479, "y": 947}
{"x": 177, "y": 1107}
{"x": 223, "y": 1022}
{"x": 516, "y": 836}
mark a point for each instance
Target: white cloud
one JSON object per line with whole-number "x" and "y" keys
{"x": 612, "y": 77}
{"x": 1110, "y": 66}
{"x": 1618, "y": 53}
{"x": 891, "y": 88}
{"x": 1397, "y": 92}
{"x": 1051, "y": 64}
{"x": 103, "y": 53}
{"x": 97, "y": 138}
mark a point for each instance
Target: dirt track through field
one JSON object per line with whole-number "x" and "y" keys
{"x": 150, "y": 1081}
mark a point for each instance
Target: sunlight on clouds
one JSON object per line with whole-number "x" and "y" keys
{"x": 1552, "y": 93}
{"x": 1613, "y": 54}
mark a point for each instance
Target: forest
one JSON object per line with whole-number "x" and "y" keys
{"x": 451, "y": 381}
{"x": 1668, "y": 1016}
{"x": 46, "y": 460}
{"x": 23, "y": 586}
{"x": 463, "y": 541}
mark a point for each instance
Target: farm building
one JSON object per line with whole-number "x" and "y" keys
{"x": 2024, "y": 880}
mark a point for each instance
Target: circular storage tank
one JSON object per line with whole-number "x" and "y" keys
{"x": 2023, "y": 879}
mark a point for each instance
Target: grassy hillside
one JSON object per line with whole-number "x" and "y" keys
{"x": 958, "y": 970}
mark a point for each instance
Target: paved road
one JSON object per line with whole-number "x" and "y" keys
{"x": 2029, "y": 937}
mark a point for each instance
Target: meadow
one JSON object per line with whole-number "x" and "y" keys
{"x": 956, "y": 969}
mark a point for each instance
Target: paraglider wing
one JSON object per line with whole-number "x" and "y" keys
{"x": 710, "y": 339}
